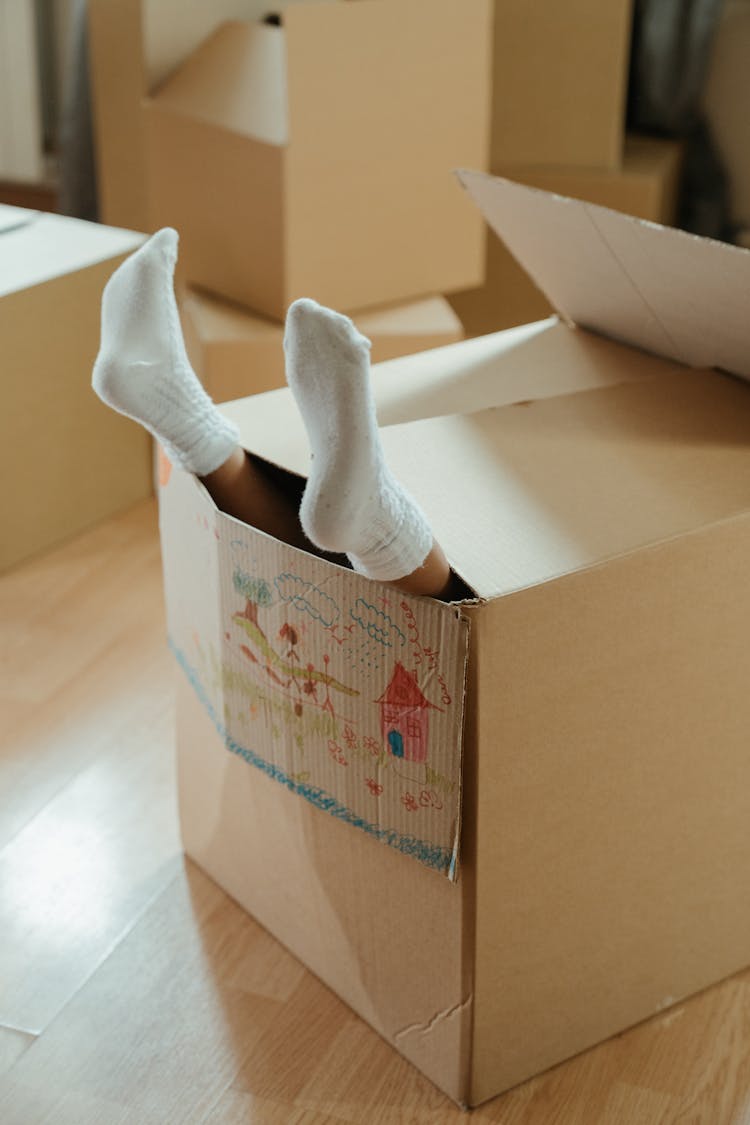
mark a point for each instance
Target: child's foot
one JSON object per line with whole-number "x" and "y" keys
{"x": 352, "y": 502}
{"x": 142, "y": 369}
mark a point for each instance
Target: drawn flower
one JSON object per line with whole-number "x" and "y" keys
{"x": 374, "y": 786}
{"x": 410, "y": 802}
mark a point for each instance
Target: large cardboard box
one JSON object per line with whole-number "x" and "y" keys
{"x": 316, "y": 157}
{"x": 67, "y": 461}
{"x": 236, "y": 353}
{"x": 569, "y": 860}
{"x": 560, "y": 82}
{"x": 646, "y": 186}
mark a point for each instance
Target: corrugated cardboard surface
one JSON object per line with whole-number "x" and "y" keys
{"x": 388, "y": 222}
{"x": 351, "y": 211}
{"x": 663, "y": 290}
{"x": 560, "y": 77}
{"x": 223, "y": 193}
{"x": 68, "y": 461}
{"x": 613, "y": 798}
{"x": 385, "y": 933}
{"x": 118, "y": 81}
{"x": 236, "y": 353}
{"x": 645, "y": 186}
{"x": 347, "y": 694}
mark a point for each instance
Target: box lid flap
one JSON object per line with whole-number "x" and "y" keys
{"x": 236, "y": 79}
{"x": 660, "y": 289}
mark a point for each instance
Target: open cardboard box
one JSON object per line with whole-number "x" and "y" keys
{"x": 66, "y": 460}
{"x": 571, "y": 860}
{"x": 317, "y": 156}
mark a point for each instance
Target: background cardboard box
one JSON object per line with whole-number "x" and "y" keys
{"x": 645, "y": 186}
{"x": 282, "y": 183}
{"x": 560, "y": 80}
{"x": 66, "y": 459}
{"x": 606, "y": 781}
{"x": 134, "y": 45}
{"x": 236, "y": 353}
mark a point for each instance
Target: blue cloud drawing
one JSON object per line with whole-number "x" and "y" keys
{"x": 307, "y": 598}
{"x": 378, "y": 625}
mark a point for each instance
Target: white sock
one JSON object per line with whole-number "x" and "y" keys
{"x": 352, "y": 502}
{"x": 142, "y": 369}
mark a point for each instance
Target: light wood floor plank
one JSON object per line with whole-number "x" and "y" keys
{"x": 74, "y": 879}
{"x": 72, "y": 689}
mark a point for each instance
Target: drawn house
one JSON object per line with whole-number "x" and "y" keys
{"x": 405, "y": 717}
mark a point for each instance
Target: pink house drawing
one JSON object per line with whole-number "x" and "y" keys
{"x": 404, "y": 717}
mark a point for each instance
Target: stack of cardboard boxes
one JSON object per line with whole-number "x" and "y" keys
{"x": 558, "y": 122}
{"x": 311, "y": 154}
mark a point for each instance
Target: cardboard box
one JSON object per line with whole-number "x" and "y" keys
{"x": 560, "y": 82}
{"x": 316, "y": 157}
{"x": 236, "y": 353}
{"x": 726, "y": 92}
{"x": 67, "y": 460}
{"x": 133, "y": 46}
{"x": 645, "y": 186}
{"x": 595, "y": 495}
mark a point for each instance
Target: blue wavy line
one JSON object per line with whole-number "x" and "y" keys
{"x": 432, "y": 855}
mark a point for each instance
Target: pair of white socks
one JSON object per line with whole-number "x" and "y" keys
{"x": 352, "y": 503}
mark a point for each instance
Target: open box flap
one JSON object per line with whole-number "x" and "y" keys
{"x": 540, "y": 489}
{"x": 660, "y": 289}
{"x": 236, "y": 80}
{"x": 342, "y": 690}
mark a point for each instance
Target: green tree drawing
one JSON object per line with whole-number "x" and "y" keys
{"x": 255, "y": 591}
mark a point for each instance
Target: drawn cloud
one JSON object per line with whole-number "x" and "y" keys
{"x": 378, "y": 625}
{"x": 307, "y": 598}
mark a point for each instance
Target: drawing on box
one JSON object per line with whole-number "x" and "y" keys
{"x": 404, "y": 716}
{"x": 285, "y": 669}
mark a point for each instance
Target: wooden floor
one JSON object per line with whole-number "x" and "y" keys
{"x": 132, "y": 990}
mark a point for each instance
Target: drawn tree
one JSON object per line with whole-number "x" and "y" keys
{"x": 255, "y": 591}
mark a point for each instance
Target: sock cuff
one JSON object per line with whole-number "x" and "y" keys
{"x": 403, "y": 553}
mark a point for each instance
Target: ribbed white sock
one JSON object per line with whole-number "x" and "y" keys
{"x": 142, "y": 369}
{"x": 352, "y": 502}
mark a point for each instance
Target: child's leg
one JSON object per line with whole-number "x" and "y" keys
{"x": 352, "y": 502}
{"x": 142, "y": 371}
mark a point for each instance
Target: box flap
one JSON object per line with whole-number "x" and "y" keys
{"x": 344, "y": 691}
{"x": 541, "y": 489}
{"x": 671, "y": 293}
{"x": 236, "y": 80}
{"x": 49, "y": 246}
